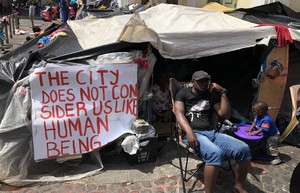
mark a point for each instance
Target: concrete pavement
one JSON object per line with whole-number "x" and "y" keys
{"x": 162, "y": 175}
{"x": 25, "y": 30}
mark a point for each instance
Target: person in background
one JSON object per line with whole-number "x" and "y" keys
{"x": 31, "y": 13}
{"x": 73, "y": 9}
{"x": 16, "y": 10}
{"x": 263, "y": 122}
{"x": 64, "y": 10}
{"x": 37, "y": 31}
{"x": 50, "y": 12}
{"x": 38, "y": 6}
{"x": 194, "y": 108}
{"x": 15, "y": 7}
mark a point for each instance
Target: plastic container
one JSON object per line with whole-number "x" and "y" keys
{"x": 252, "y": 141}
{"x": 147, "y": 153}
{"x": 140, "y": 126}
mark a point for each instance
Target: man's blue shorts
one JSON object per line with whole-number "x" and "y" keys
{"x": 215, "y": 147}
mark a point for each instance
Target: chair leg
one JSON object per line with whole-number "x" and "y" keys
{"x": 171, "y": 129}
{"x": 181, "y": 168}
{"x": 186, "y": 165}
{"x": 194, "y": 172}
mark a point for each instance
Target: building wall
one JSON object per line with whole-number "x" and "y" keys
{"x": 193, "y": 3}
{"x": 157, "y": 1}
{"x": 293, "y": 4}
{"x": 125, "y": 2}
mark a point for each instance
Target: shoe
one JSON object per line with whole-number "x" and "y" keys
{"x": 276, "y": 161}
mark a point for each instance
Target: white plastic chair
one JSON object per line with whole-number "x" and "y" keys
{"x": 294, "y": 121}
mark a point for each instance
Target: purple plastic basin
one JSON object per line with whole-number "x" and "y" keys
{"x": 252, "y": 141}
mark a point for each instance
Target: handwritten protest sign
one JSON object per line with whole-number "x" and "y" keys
{"x": 79, "y": 109}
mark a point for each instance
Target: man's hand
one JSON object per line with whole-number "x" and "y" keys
{"x": 192, "y": 140}
{"x": 215, "y": 87}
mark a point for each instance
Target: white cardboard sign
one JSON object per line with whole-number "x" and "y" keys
{"x": 79, "y": 109}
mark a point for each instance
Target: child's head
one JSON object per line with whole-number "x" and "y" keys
{"x": 28, "y": 38}
{"x": 36, "y": 30}
{"x": 260, "y": 108}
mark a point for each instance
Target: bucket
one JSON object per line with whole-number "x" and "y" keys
{"x": 252, "y": 141}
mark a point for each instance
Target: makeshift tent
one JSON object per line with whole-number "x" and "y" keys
{"x": 183, "y": 40}
{"x": 279, "y": 14}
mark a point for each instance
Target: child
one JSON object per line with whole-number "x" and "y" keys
{"x": 73, "y": 9}
{"x": 28, "y": 38}
{"x": 264, "y": 123}
{"x": 37, "y": 30}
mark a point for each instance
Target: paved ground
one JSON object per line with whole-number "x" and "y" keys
{"x": 163, "y": 174}
{"x": 19, "y": 38}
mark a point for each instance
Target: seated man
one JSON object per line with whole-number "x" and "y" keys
{"x": 193, "y": 109}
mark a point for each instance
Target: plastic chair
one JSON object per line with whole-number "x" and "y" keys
{"x": 294, "y": 121}
{"x": 174, "y": 87}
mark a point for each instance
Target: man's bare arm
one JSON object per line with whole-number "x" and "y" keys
{"x": 223, "y": 108}
{"x": 184, "y": 124}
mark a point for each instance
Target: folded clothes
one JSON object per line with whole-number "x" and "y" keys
{"x": 42, "y": 41}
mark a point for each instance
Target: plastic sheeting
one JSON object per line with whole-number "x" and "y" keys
{"x": 16, "y": 161}
{"x": 17, "y": 166}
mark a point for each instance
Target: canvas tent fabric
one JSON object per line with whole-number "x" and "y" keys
{"x": 200, "y": 29}
{"x": 89, "y": 29}
{"x": 170, "y": 28}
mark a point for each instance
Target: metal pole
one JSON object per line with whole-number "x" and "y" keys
{"x": 10, "y": 26}
{"x": 17, "y": 21}
{"x": 13, "y": 23}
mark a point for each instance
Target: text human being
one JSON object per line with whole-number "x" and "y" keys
{"x": 193, "y": 109}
